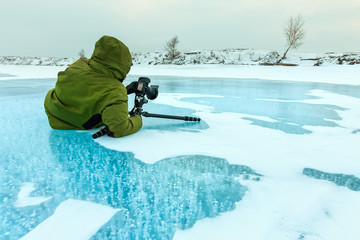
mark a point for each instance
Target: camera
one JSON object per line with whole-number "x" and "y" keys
{"x": 143, "y": 92}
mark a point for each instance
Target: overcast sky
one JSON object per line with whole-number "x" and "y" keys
{"x": 63, "y": 28}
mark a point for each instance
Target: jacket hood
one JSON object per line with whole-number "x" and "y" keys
{"x": 114, "y": 55}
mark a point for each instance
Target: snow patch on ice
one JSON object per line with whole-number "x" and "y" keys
{"x": 297, "y": 208}
{"x": 72, "y": 220}
{"x": 24, "y": 199}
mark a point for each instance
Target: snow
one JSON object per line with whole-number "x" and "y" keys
{"x": 235, "y": 56}
{"x": 227, "y": 63}
{"x": 326, "y": 74}
{"x": 14, "y": 72}
{"x": 24, "y": 198}
{"x": 72, "y": 220}
{"x": 284, "y": 204}
{"x": 297, "y": 208}
{"x": 337, "y": 74}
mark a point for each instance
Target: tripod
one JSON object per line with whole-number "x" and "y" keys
{"x": 140, "y": 100}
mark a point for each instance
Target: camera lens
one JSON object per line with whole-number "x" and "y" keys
{"x": 152, "y": 92}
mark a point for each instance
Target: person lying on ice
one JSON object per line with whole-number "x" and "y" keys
{"x": 90, "y": 92}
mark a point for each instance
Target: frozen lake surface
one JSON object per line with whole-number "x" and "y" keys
{"x": 269, "y": 160}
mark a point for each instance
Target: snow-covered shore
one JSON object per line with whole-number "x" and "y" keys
{"x": 226, "y": 57}
{"x": 338, "y": 68}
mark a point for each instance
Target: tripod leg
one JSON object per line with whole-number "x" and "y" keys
{"x": 184, "y": 118}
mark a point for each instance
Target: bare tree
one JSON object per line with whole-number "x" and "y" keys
{"x": 294, "y": 32}
{"x": 82, "y": 54}
{"x": 171, "y": 48}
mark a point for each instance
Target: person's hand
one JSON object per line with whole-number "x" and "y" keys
{"x": 139, "y": 88}
{"x": 134, "y": 111}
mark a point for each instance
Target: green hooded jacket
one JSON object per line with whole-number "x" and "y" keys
{"x": 90, "y": 93}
